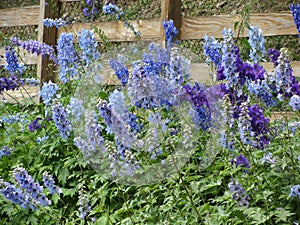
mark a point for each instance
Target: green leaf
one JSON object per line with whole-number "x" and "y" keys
{"x": 236, "y": 25}
{"x": 32, "y": 220}
{"x": 63, "y": 175}
{"x": 282, "y": 215}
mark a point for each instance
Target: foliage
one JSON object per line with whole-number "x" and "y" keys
{"x": 243, "y": 168}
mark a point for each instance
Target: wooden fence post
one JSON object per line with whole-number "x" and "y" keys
{"x": 170, "y": 10}
{"x": 47, "y": 36}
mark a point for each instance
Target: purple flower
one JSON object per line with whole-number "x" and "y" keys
{"x": 50, "y": 183}
{"x": 121, "y": 72}
{"x": 243, "y": 161}
{"x": 34, "y": 125}
{"x": 61, "y": 119}
{"x": 12, "y": 83}
{"x": 259, "y": 125}
{"x": 58, "y": 22}
{"x": 295, "y": 191}
{"x": 273, "y": 55}
{"x": 5, "y": 151}
{"x": 295, "y": 8}
{"x": 295, "y": 102}
{"x": 37, "y": 47}
{"x": 239, "y": 194}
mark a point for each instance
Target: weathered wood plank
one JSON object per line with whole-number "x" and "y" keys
{"x": 193, "y": 28}
{"x": 20, "y": 95}
{"x": 19, "y": 16}
{"x": 24, "y": 57}
{"x": 117, "y": 32}
{"x": 272, "y": 24}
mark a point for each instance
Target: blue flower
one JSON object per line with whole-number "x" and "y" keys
{"x": 60, "y": 117}
{"x": 112, "y": 9}
{"x": 50, "y": 183}
{"x": 57, "y": 22}
{"x": 48, "y": 92}
{"x": 170, "y": 31}
{"x": 295, "y": 102}
{"x": 212, "y": 50}
{"x": 5, "y": 151}
{"x": 295, "y": 191}
{"x": 257, "y": 43}
{"x": 67, "y": 57}
{"x": 88, "y": 45}
{"x": 283, "y": 73}
{"x": 121, "y": 72}
{"x": 12, "y": 63}
{"x": 76, "y": 108}
{"x": 239, "y": 194}
{"x": 40, "y": 140}
{"x": 295, "y": 8}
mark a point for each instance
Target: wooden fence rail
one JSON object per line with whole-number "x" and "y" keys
{"x": 272, "y": 24}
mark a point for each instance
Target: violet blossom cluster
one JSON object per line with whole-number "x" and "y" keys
{"x": 61, "y": 118}
{"x": 37, "y": 47}
{"x": 156, "y": 79}
{"x": 239, "y": 194}
{"x": 197, "y": 96}
{"x": 259, "y": 126}
{"x": 27, "y": 193}
{"x": 34, "y": 125}
{"x": 49, "y": 183}
{"x": 227, "y": 135}
{"x": 117, "y": 119}
{"x": 92, "y": 9}
{"x": 243, "y": 161}
{"x": 12, "y": 63}
{"x": 76, "y": 108}
{"x": 10, "y": 84}
{"x": 295, "y": 191}
{"x": 5, "y": 150}
{"x": 295, "y": 102}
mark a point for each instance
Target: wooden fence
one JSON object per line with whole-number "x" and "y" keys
{"x": 272, "y": 24}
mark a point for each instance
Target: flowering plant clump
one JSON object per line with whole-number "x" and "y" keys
{"x": 157, "y": 147}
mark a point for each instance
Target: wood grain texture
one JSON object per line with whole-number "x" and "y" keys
{"x": 20, "y": 95}
{"x": 24, "y": 57}
{"x": 26, "y": 16}
{"x": 117, "y": 32}
{"x": 271, "y": 23}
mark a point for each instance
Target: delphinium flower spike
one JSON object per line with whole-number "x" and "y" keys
{"x": 12, "y": 63}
